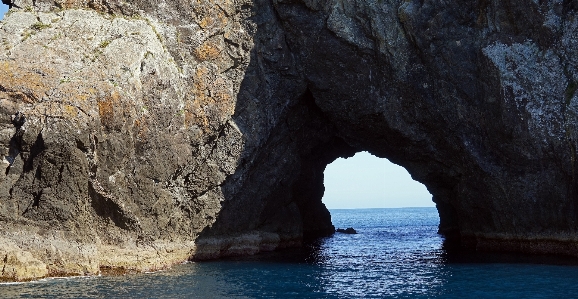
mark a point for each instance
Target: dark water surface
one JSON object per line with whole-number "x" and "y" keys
{"x": 396, "y": 254}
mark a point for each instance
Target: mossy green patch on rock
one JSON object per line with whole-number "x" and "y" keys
{"x": 39, "y": 26}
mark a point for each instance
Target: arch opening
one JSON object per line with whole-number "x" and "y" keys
{"x": 366, "y": 181}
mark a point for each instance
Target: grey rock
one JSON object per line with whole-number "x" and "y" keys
{"x": 349, "y": 230}
{"x": 139, "y": 134}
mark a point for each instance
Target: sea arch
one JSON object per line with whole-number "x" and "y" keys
{"x": 214, "y": 120}
{"x": 457, "y": 110}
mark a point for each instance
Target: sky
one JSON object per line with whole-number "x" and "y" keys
{"x": 365, "y": 181}
{"x": 3, "y": 10}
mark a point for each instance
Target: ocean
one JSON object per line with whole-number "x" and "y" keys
{"x": 396, "y": 253}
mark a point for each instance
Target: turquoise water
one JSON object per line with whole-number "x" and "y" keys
{"x": 396, "y": 254}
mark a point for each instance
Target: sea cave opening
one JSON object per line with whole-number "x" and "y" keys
{"x": 366, "y": 181}
{"x": 367, "y": 184}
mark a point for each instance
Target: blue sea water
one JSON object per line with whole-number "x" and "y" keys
{"x": 397, "y": 253}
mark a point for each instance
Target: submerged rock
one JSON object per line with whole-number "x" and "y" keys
{"x": 139, "y": 134}
{"x": 349, "y": 230}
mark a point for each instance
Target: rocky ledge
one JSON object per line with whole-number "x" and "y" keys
{"x": 136, "y": 135}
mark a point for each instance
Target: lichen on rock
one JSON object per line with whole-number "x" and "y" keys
{"x": 104, "y": 129}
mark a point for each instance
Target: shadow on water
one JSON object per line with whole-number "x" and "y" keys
{"x": 312, "y": 254}
{"x": 454, "y": 254}
{"x": 459, "y": 256}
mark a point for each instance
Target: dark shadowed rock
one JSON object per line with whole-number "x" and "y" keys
{"x": 349, "y": 230}
{"x": 139, "y": 134}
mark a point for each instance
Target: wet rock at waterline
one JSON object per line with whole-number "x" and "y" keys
{"x": 140, "y": 134}
{"x": 349, "y": 230}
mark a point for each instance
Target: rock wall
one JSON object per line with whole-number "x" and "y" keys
{"x": 117, "y": 130}
{"x": 140, "y": 134}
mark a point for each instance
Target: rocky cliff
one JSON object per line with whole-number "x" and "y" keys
{"x": 140, "y": 134}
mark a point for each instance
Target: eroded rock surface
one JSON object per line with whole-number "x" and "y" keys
{"x": 117, "y": 130}
{"x": 140, "y": 134}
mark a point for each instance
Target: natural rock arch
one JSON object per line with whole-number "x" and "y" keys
{"x": 137, "y": 135}
{"x": 450, "y": 93}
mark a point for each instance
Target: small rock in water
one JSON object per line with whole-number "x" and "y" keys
{"x": 349, "y": 230}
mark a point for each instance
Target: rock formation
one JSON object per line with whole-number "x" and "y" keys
{"x": 139, "y": 134}
{"x": 349, "y": 230}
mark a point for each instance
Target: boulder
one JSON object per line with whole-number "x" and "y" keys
{"x": 349, "y": 230}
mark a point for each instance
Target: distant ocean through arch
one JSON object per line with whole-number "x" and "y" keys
{"x": 396, "y": 253}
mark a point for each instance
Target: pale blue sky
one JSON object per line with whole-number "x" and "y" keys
{"x": 3, "y": 10}
{"x": 365, "y": 181}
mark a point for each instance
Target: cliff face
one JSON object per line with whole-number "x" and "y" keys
{"x": 117, "y": 129}
{"x": 476, "y": 100}
{"x": 140, "y": 134}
